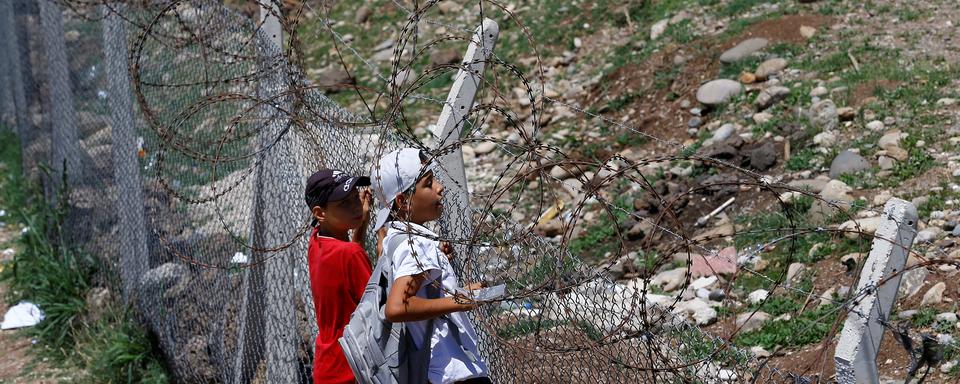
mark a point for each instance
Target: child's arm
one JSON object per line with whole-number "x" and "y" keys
{"x": 404, "y": 305}
{"x": 447, "y": 249}
{"x": 366, "y": 197}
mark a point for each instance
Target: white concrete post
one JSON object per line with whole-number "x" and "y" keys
{"x": 457, "y": 224}
{"x": 856, "y": 353}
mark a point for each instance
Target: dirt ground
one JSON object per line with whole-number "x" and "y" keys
{"x": 18, "y": 364}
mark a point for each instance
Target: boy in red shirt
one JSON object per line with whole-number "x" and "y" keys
{"x": 339, "y": 267}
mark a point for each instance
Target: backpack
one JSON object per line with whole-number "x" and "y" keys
{"x": 378, "y": 351}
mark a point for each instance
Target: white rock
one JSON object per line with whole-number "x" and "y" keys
{"x": 823, "y": 115}
{"x": 795, "y": 271}
{"x": 670, "y": 280}
{"x": 948, "y": 366}
{"x": 891, "y": 140}
{"x": 468, "y": 152}
{"x": 867, "y": 226}
{"x": 934, "y": 295}
{"x": 876, "y": 126}
{"x": 727, "y": 375}
{"x": 703, "y": 293}
{"x": 770, "y": 67}
{"x": 485, "y": 147}
{"x": 762, "y": 117}
{"x": 749, "y": 321}
{"x": 698, "y": 309}
{"x": 718, "y": 91}
{"x": 819, "y": 91}
{"x": 758, "y": 351}
{"x": 882, "y": 198}
{"x": 886, "y": 163}
{"x": 928, "y": 235}
{"x": 770, "y": 96}
{"x": 658, "y": 28}
{"x": 947, "y": 318}
{"x": 946, "y": 102}
{"x": 744, "y": 49}
{"x": 945, "y": 339}
{"x": 757, "y": 296}
{"x": 703, "y": 282}
{"x": 724, "y": 132}
{"x": 836, "y": 190}
{"x": 825, "y": 139}
{"x": 911, "y": 283}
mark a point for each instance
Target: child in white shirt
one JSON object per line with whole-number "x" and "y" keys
{"x": 409, "y": 196}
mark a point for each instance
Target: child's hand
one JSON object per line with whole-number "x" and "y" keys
{"x": 474, "y": 286}
{"x": 465, "y": 302}
{"x": 447, "y": 249}
{"x": 366, "y": 198}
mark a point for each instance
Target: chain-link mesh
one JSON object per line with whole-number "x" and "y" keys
{"x": 186, "y": 136}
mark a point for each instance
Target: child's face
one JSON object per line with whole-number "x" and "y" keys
{"x": 425, "y": 202}
{"x": 341, "y": 215}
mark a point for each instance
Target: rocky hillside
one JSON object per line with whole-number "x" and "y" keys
{"x": 852, "y": 103}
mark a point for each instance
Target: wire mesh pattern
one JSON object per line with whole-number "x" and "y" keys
{"x": 186, "y": 136}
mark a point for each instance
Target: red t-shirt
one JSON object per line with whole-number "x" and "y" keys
{"x": 339, "y": 271}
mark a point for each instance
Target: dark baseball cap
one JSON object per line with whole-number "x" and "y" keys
{"x": 328, "y": 185}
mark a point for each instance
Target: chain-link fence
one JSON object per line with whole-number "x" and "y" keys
{"x": 186, "y": 135}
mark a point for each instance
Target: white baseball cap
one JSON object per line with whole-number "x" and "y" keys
{"x": 395, "y": 173}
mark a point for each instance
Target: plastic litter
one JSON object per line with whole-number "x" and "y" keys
{"x": 24, "y": 314}
{"x": 239, "y": 258}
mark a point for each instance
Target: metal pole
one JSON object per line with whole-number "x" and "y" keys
{"x": 14, "y": 81}
{"x": 7, "y": 109}
{"x": 64, "y": 144}
{"x": 276, "y": 207}
{"x": 856, "y": 353}
{"x": 25, "y": 95}
{"x": 133, "y": 237}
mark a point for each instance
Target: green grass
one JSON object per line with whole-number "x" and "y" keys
{"x": 54, "y": 274}
{"x": 918, "y": 162}
{"x": 865, "y": 179}
{"x": 936, "y": 200}
{"x": 924, "y": 317}
{"x": 769, "y": 226}
{"x": 802, "y": 160}
{"x": 117, "y": 350}
{"x": 600, "y": 237}
{"x": 809, "y": 327}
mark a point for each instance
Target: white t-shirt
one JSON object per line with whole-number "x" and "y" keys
{"x": 449, "y": 361}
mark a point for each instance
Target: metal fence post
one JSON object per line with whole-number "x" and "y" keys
{"x": 7, "y": 107}
{"x": 14, "y": 104}
{"x": 64, "y": 143}
{"x": 133, "y": 237}
{"x": 856, "y": 353}
{"x": 278, "y": 199}
{"x": 26, "y": 93}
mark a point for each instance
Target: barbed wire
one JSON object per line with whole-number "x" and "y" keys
{"x": 554, "y": 294}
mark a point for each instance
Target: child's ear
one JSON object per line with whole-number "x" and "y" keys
{"x": 318, "y": 213}
{"x": 401, "y": 200}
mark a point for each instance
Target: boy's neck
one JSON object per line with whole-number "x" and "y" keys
{"x": 343, "y": 235}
